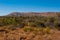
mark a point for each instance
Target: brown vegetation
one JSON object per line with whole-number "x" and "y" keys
{"x": 35, "y": 26}
{"x": 30, "y": 34}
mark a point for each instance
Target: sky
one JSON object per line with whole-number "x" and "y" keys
{"x": 9, "y": 6}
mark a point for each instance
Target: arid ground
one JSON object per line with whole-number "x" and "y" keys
{"x": 26, "y": 34}
{"x": 30, "y": 26}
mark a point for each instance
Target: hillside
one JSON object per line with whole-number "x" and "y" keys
{"x": 30, "y": 26}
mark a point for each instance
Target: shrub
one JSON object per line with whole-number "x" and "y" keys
{"x": 46, "y": 30}
{"x": 27, "y": 29}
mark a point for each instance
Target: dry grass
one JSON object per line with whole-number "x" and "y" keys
{"x": 30, "y": 33}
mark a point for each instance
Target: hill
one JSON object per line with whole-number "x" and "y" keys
{"x": 30, "y": 26}
{"x": 33, "y": 14}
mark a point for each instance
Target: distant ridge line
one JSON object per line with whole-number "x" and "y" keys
{"x": 33, "y": 14}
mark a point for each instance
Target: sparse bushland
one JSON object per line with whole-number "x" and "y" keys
{"x": 24, "y": 27}
{"x": 33, "y": 21}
